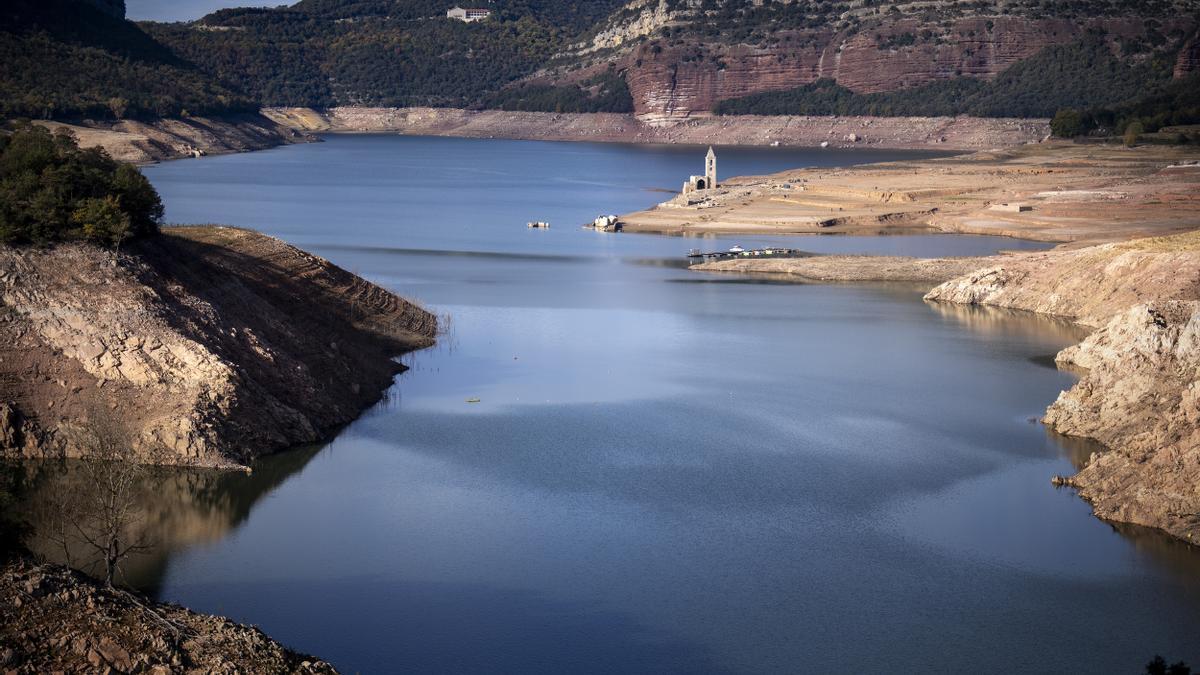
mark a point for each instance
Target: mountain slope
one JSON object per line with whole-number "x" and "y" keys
{"x": 379, "y": 52}
{"x": 684, "y": 57}
{"x": 64, "y": 58}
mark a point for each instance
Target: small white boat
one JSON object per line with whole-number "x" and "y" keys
{"x": 737, "y": 248}
{"x": 538, "y": 223}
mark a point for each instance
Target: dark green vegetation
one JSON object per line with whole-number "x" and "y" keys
{"x": 1159, "y": 667}
{"x": 65, "y": 59}
{"x": 50, "y": 190}
{"x": 388, "y": 52}
{"x": 1175, "y": 103}
{"x": 764, "y": 22}
{"x": 1085, "y": 74}
{"x": 606, "y": 92}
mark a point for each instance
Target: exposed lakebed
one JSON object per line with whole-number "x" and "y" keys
{"x": 665, "y": 471}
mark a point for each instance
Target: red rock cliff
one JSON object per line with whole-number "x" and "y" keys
{"x": 676, "y": 78}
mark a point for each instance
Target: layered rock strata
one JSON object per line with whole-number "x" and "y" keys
{"x": 211, "y": 345}
{"x": 1139, "y": 393}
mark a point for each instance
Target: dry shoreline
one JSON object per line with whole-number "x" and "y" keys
{"x": 140, "y": 142}
{"x": 147, "y": 142}
{"x": 907, "y": 133}
{"x": 1055, "y": 192}
{"x": 217, "y": 344}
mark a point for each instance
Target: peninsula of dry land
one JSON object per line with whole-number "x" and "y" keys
{"x": 215, "y": 343}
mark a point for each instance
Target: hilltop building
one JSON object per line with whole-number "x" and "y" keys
{"x": 708, "y": 180}
{"x": 468, "y": 15}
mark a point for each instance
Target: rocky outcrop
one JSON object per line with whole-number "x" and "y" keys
{"x": 1088, "y": 285}
{"x": 214, "y": 344}
{"x": 943, "y": 133}
{"x": 1188, "y": 61}
{"x": 673, "y": 78}
{"x": 53, "y": 619}
{"x": 1140, "y": 391}
{"x": 642, "y": 18}
{"x": 1140, "y": 397}
{"x": 142, "y": 142}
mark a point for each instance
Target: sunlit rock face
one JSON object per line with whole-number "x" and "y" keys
{"x": 677, "y": 67}
{"x": 249, "y": 347}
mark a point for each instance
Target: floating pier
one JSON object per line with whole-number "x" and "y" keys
{"x": 695, "y": 257}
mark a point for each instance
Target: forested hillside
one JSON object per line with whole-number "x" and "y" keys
{"x": 380, "y": 52}
{"x": 64, "y": 58}
{"x": 662, "y": 59}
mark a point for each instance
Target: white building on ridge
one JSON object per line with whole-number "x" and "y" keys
{"x": 468, "y": 15}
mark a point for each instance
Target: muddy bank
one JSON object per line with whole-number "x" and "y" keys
{"x": 53, "y": 619}
{"x": 146, "y": 142}
{"x": 941, "y": 133}
{"x": 214, "y": 344}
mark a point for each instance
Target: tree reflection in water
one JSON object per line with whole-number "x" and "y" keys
{"x": 178, "y": 508}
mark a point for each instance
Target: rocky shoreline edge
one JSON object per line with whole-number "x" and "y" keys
{"x": 1139, "y": 392}
{"x": 54, "y": 619}
{"x": 145, "y": 142}
{"x": 212, "y": 345}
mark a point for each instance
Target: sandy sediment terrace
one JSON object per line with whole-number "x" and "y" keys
{"x": 931, "y": 133}
{"x": 1049, "y": 192}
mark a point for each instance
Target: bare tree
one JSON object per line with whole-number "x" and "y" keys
{"x": 113, "y": 473}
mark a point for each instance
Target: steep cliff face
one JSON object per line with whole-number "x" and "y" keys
{"x": 1140, "y": 397}
{"x": 215, "y": 344}
{"x": 677, "y": 67}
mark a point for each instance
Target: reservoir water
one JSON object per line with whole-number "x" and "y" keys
{"x": 666, "y": 471}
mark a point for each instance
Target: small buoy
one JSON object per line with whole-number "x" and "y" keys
{"x": 473, "y": 400}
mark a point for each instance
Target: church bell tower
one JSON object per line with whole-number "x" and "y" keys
{"x": 710, "y": 168}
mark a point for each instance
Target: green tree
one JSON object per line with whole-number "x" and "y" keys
{"x": 1159, "y": 667}
{"x": 52, "y": 190}
{"x": 102, "y": 221}
{"x": 1067, "y": 123}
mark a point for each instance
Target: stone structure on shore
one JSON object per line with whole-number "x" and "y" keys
{"x": 708, "y": 180}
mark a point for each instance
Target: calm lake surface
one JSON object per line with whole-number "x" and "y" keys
{"x": 667, "y": 471}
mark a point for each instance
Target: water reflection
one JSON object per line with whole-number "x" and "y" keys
{"x": 1177, "y": 557}
{"x": 176, "y": 508}
{"x": 999, "y": 322}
